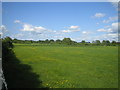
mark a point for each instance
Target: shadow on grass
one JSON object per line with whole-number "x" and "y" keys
{"x": 19, "y": 75}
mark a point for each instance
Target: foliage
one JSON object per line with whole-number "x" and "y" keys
{"x": 106, "y": 43}
{"x": 58, "y": 41}
{"x": 68, "y": 41}
{"x": 6, "y": 47}
{"x": 83, "y": 41}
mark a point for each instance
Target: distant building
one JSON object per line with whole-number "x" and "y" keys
{"x": 85, "y": 42}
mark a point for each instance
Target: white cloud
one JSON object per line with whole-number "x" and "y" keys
{"x": 111, "y": 36}
{"x": 114, "y": 27}
{"x": 107, "y": 26}
{"x": 73, "y": 27}
{"x": 30, "y": 31}
{"x": 39, "y": 28}
{"x": 3, "y": 30}
{"x": 68, "y": 31}
{"x": 113, "y": 0}
{"x": 99, "y": 15}
{"x": 111, "y": 32}
{"x": 85, "y": 32}
{"x": 101, "y": 30}
{"x": 2, "y": 27}
{"x": 29, "y": 27}
{"x": 110, "y": 19}
{"x": 108, "y": 37}
{"x": 22, "y": 35}
{"x": 110, "y": 29}
{"x": 97, "y": 23}
{"x": 17, "y": 21}
{"x": 19, "y": 35}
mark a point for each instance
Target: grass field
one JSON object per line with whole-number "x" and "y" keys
{"x": 72, "y": 67}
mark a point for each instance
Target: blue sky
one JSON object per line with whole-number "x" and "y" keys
{"x": 55, "y": 20}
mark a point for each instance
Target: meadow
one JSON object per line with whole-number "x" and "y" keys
{"x": 72, "y": 67}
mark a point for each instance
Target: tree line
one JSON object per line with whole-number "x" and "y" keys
{"x": 65, "y": 41}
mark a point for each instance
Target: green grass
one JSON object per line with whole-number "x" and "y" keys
{"x": 72, "y": 67}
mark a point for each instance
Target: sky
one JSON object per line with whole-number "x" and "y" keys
{"x": 60, "y": 0}
{"x": 56, "y": 20}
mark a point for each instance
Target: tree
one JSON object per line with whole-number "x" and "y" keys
{"x": 106, "y": 42}
{"x": 93, "y": 41}
{"x": 97, "y": 42}
{"x": 31, "y": 41}
{"x": 51, "y": 41}
{"x": 114, "y": 43}
{"x": 6, "y": 46}
{"x": 67, "y": 41}
{"x": 83, "y": 41}
{"x": 58, "y": 41}
{"x": 7, "y": 42}
{"x": 15, "y": 40}
{"x": 46, "y": 41}
{"x": 74, "y": 43}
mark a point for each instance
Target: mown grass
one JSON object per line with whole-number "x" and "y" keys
{"x": 72, "y": 67}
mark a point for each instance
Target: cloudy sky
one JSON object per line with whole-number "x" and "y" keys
{"x": 55, "y": 20}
